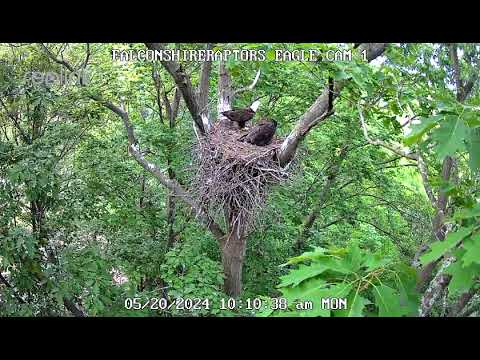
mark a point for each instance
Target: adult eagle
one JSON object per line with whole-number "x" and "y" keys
{"x": 241, "y": 116}
{"x": 261, "y": 134}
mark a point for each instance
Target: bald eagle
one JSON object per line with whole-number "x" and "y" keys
{"x": 241, "y": 116}
{"x": 261, "y": 134}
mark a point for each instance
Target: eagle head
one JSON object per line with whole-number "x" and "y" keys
{"x": 255, "y": 105}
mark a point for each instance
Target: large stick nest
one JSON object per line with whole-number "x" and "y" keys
{"x": 234, "y": 177}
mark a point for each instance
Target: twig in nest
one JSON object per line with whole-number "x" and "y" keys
{"x": 233, "y": 178}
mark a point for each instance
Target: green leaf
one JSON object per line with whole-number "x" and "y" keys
{"x": 355, "y": 305}
{"x": 467, "y": 213}
{"x": 270, "y": 55}
{"x": 374, "y": 261}
{"x": 418, "y": 130}
{"x": 296, "y": 276}
{"x": 354, "y": 257}
{"x": 462, "y": 277}
{"x": 449, "y": 136}
{"x": 473, "y": 147}
{"x": 340, "y": 75}
{"x": 439, "y": 248}
{"x": 316, "y": 296}
{"x": 472, "y": 247}
{"x": 388, "y": 302}
{"x": 318, "y": 253}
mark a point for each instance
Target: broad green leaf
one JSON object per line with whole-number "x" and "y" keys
{"x": 388, "y": 302}
{"x": 439, "y": 248}
{"x": 354, "y": 257}
{"x": 314, "y": 291}
{"x": 449, "y": 136}
{"x": 318, "y": 253}
{"x": 355, "y": 305}
{"x": 473, "y": 147}
{"x": 374, "y": 261}
{"x": 296, "y": 276}
{"x": 472, "y": 247}
{"x": 418, "y": 130}
{"x": 462, "y": 277}
{"x": 340, "y": 75}
{"x": 337, "y": 291}
{"x": 302, "y": 290}
{"x": 471, "y": 118}
{"x": 270, "y": 55}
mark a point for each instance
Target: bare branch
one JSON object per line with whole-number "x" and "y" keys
{"x": 176, "y": 104}
{"x": 456, "y": 70}
{"x": 74, "y": 309}
{"x": 435, "y": 288}
{"x": 423, "y": 170}
{"x": 24, "y": 136}
{"x": 462, "y": 302}
{"x": 322, "y": 199}
{"x": 87, "y": 56}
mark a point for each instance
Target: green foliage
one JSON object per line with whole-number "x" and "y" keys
{"x": 74, "y": 205}
{"x": 190, "y": 274}
{"x": 439, "y": 248}
{"x": 371, "y": 284}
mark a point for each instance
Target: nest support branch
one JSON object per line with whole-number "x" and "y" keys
{"x": 233, "y": 177}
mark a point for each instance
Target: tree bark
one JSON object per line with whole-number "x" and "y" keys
{"x": 225, "y": 94}
{"x": 441, "y": 281}
{"x": 319, "y": 110}
{"x": 184, "y": 84}
{"x": 233, "y": 255}
{"x": 462, "y": 303}
{"x": 203, "y": 90}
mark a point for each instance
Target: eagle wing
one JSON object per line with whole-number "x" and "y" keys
{"x": 261, "y": 134}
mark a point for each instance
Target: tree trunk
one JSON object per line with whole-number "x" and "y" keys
{"x": 233, "y": 254}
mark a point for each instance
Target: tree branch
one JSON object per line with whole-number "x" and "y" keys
{"x": 184, "y": 84}
{"x": 319, "y": 110}
{"x": 134, "y": 150}
{"x": 323, "y": 198}
{"x": 422, "y": 168}
{"x": 57, "y": 60}
{"x": 392, "y": 148}
{"x": 203, "y": 90}
{"x": 249, "y": 87}
{"x": 171, "y": 184}
{"x": 225, "y": 94}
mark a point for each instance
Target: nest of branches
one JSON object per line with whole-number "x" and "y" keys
{"x": 233, "y": 177}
